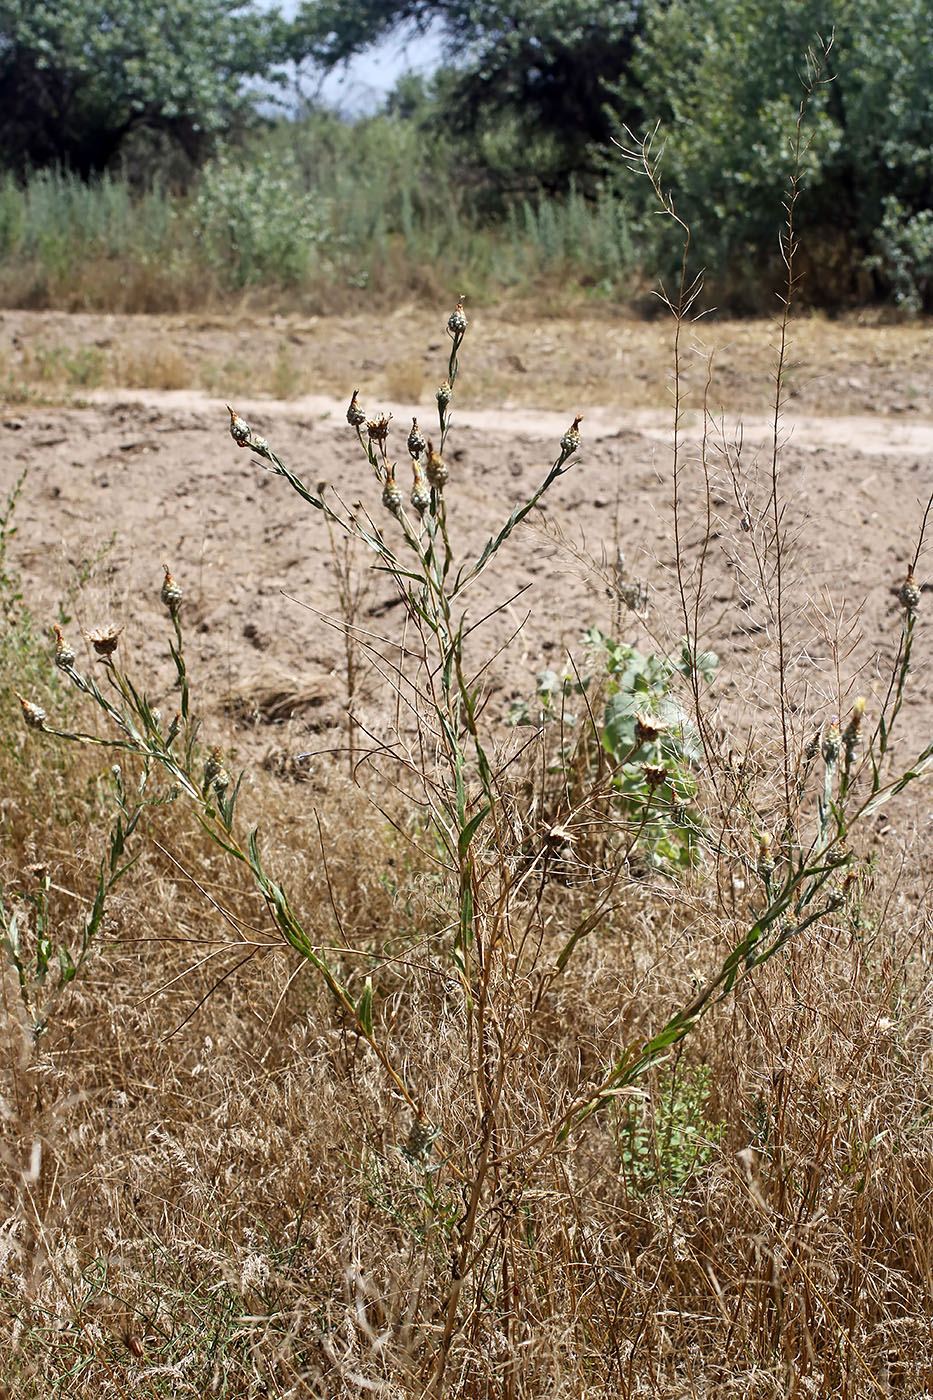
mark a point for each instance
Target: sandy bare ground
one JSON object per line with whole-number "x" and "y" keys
{"x": 155, "y": 472}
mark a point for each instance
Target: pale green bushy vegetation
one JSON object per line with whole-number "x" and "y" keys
{"x": 332, "y": 212}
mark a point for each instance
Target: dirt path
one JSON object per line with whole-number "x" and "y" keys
{"x": 142, "y": 475}
{"x": 866, "y": 434}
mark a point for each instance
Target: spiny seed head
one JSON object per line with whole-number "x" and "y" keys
{"x": 436, "y": 468}
{"x": 648, "y": 729}
{"x": 765, "y": 856}
{"x": 457, "y": 321}
{"x": 104, "y": 640}
{"x": 391, "y": 495}
{"x": 444, "y": 394}
{"x": 356, "y": 416}
{"x": 571, "y": 439}
{"x": 171, "y": 594}
{"x": 378, "y": 429}
{"x": 239, "y": 430}
{"x": 417, "y": 442}
{"x": 812, "y": 747}
{"x": 34, "y": 715}
{"x": 420, "y": 493}
{"x": 832, "y": 741}
{"x": 64, "y": 654}
{"x": 654, "y": 775}
{"x": 909, "y": 594}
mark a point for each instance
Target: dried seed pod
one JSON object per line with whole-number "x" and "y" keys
{"x": 444, "y": 394}
{"x": 356, "y": 416}
{"x": 648, "y": 729}
{"x": 104, "y": 640}
{"x": 378, "y": 429}
{"x": 417, "y": 442}
{"x": 654, "y": 775}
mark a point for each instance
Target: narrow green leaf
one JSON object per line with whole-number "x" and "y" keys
{"x": 364, "y": 1007}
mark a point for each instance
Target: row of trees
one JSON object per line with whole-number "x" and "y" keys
{"x": 534, "y": 96}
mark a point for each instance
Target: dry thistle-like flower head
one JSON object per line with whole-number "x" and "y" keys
{"x": 421, "y": 1138}
{"x": 64, "y": 654}
{"x": 378, "y": 429}
{"x": 104, "y": 640}
{"x": 457, "y": 321}
{"x": 391, "y": 495}
{"x": 171, "y": 593}
{"x": 851, "y": 736}
{"x": 420, "y": 493}
{"x": 832, "y": 740}
{"x": 356, "y": 416}
{"x": 648, "y": 728}
{"x": 909, "y": 594}
{"x": 417, "y": 442}
{"x": 34, "y": 715}
{"x": 571, "y": 439}
{"x": 239, "y": 430}
{"x": 765, "y": 856}
{"x": 215, "y": 774}
{"x": 436, "y": 468}
{"x": 654, "y": 775}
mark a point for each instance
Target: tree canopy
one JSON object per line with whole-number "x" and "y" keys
{"x": 77, "y": 77}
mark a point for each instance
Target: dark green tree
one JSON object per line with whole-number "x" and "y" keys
{"x": 725, "y": 79}
{"x": 77, "y": 78}
{"x": 542, "y": 71}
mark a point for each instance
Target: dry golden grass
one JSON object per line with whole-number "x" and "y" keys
{"x": 222, "y": 1173}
